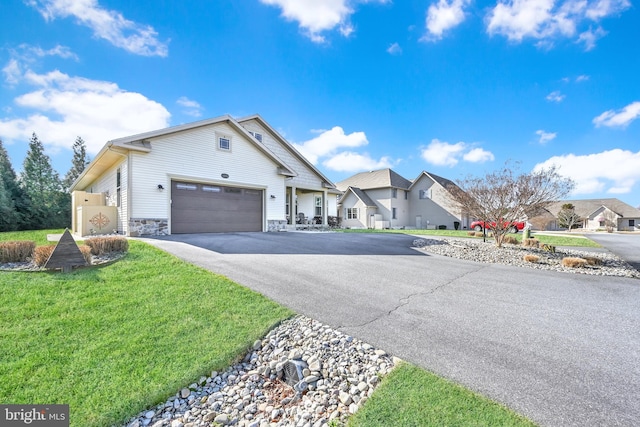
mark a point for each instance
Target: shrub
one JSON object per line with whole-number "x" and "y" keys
{"x": 574, "y": 262}
{"x": 548, "y": 248}
{"x": 41, "y": 254}
{"x": 591, "y": 260}
{"x": 531, "y": 242}
{"x": 478, "y": 233}
{"x": 531, "y": 258}
{"x": 105, "y": 245}
{"x": 510, "y": 239}
{"x": 17, "y": 251}
{"x": 471, "y": 233}
{"x": 86, "y": 253}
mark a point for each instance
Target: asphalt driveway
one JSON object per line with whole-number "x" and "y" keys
{"x": 562, "y": 349}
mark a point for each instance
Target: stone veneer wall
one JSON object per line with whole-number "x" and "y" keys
{"x": 276, "y": 225}
{"x": 148, "y": 227}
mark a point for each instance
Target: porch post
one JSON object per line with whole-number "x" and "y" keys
{"x": 292, "y": 206}
{"x": 325, "y": 217}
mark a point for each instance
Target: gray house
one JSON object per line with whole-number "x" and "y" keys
{"x": 385, "y": 199}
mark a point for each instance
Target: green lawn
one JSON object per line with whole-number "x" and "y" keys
{"x": 111, "y": 341}
{"x": 556, "y": 240}
{"x": 115, "y": 340}
{"x": 412, "y": 397}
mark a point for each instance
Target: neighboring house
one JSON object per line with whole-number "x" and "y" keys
{"x": 596, "y": 214}
{"x": 216, "y": 175}
{"x": 384, "y": 199}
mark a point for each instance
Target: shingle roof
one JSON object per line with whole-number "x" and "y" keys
{"x": 586, "y": 207}
{"x": 375, "y": 179}
{"x": 444, "y": 182}
{"x": 360, "y": 195}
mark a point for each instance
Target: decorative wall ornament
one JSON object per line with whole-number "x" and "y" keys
{"x": 99, "y": 221}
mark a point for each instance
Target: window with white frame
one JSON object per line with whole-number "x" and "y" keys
{"x": 394, "y": 213}
{"x": 394, "y": 193}
{"x": 351, "y": 213}
{"x": 318, "y": 210}
{"x": 425, "y": 194}
{"x": 256, "y": 135}
{"x": 224, "y": 143}
{"x": 118, "y": 187}
{"x": 406, "y": 195}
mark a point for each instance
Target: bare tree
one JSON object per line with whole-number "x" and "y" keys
{"x": 610, "y": 220}
{"x": 502, "y": 197}
{"x": 567, "y": 217}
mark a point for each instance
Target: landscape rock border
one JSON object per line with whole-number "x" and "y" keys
{"x": 340, "y": 373}
{"x": 488, "y": 252}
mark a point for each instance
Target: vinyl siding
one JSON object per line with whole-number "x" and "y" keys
{"x": 193, "y": 155}
{"x": 437, "y": 209}
{"x": 306, "y": 178}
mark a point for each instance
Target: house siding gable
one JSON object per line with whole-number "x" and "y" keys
{"x": 306, "y": 177}
{"x": 435, "y": 210}
{"x": 194, "y": 155}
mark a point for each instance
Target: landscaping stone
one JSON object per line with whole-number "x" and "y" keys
{"x": 487, "y": 252}
{"x": 342, "y": 372}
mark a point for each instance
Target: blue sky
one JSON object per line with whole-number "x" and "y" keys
{"x": 453, "y": 87}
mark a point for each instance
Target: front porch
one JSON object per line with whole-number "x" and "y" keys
{"x": 310, "y": 209}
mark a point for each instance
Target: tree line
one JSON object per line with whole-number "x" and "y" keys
{"x": 38, "y": 198}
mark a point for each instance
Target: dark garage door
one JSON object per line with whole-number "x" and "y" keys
{"x": 209, "y": 208}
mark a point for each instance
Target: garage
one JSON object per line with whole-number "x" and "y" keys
{"x": 212, "y": 208}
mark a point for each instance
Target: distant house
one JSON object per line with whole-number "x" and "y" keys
{"x": 384, "y": 199}
{"x": 215, "y": 175}
{"x": 596, "y": 214}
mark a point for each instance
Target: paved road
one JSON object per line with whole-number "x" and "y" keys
{"x": 626, "y": 246}
{"x": 562, "y": 349}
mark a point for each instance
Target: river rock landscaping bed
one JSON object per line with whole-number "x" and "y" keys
{"x": 488, "y": 252}
{"x": 303, "y": 373}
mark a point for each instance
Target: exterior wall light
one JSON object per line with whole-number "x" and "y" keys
{"x": 160, "y": 187}
{"x": 273, "y": 196}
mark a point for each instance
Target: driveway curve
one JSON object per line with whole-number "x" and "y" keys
{"x": 562, "y": 349}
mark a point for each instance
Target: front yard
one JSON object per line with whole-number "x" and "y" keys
{"x": 112, "y": 341}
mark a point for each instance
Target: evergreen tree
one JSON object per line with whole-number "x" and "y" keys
{"x": 78, "y": 163}
{"x": 42, "y": 185}
{"x": 9, "y": 192}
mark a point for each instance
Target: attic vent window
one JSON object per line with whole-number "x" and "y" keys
{"x": 256, "y": 135}
{"x": 224, "y": 143}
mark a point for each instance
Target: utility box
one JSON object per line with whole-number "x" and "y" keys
{"x": 94, "y": 220}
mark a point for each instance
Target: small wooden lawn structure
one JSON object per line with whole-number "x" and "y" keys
{"x": 66, "y": 255}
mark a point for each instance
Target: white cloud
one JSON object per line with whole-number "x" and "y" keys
{"x": 191, "y": 108}
{"x": 589, "y": 37}
{"x": 547, "y": 20}
{"x": 315, "y": 16}
{"x": 620, "y": 118}
{"x": 582, "y": 78}
{"x": 615, "y": 171}
{"x": 441, "y": 153}
{"x": 443, "y": 16}
{"x": 394, "y": 49}
{"x": 545, "y": 136}
{"x": 478, "y": 155}
{"x": 349, "y": 161}
{"x": 106, "y": 24}
{"x": 64, "y": 107}
{"x": 555, "y": 96}
{"x": 328, "y": 142}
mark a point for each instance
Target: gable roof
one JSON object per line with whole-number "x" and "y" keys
{"x": 327, "y": 182}
{"x": 444, "y": 182}
{"x": 585, "y": 208}
{"x": 364, "y": 198}
{"x": 115, "y": 149}
{"x": 382, "y": 178}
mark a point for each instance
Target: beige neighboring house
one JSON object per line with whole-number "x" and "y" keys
{"x": 216, "y": 175}
{"x": 596, "y": 212}
{"x": 384, "y": 199}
